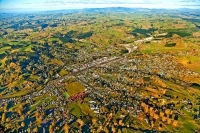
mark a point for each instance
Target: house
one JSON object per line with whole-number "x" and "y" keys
{"x": 148, "y": 39}
{"x": 139, "y": 42}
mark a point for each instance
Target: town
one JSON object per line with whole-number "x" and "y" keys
{"x": 72, "y": 72}
{"x": 113, "y": 86}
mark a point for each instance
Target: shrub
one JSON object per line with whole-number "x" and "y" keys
{"x": 170, "y": 44}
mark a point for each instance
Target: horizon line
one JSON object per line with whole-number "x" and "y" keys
{"x": 21, "y": 10}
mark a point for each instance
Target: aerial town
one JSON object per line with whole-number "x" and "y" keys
{"x": 102, "y": 71}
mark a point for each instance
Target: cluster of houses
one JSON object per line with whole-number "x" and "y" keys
{"x": 78, "y": 96}
{"x": 113, "y": 85}
{"x": 148, "y": 39}
{"x": 112, "y": 91}
{"x": 154, "y": 38}
{"x": 92, "y": 64}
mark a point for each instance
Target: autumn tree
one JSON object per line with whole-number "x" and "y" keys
{"x": 66, "y": 128}
{"x": 3, "y": 117}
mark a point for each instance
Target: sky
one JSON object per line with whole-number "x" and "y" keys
{"x": 79, "y": 4}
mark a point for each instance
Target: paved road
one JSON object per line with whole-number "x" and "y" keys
{"x": 75, "y": 73}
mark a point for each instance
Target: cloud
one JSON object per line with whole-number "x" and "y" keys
{"x": 27, "y": 3}
{"x": 54, "y": 2}
{"x": 100, "y": 2}
{"x": 190, "y": 1}
{"x": 187, "y": 1}
{"x": 191, "y": 5}
{"x": 74, "y": 4}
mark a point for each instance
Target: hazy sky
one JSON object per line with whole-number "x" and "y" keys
{"x": 75, "y": 4}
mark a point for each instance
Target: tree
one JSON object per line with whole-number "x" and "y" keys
{"x": 35, "y": 129}
{"x": 21, "y": 107}
{"x": 19, "y": 112}
{"x": 124, "y": 51}
{"x": 52, "y": 126}
{"x": 22, "y": 124}
{"x": 28, "y": 130}
{"x": 66, "y": 128}
{"x": 36, "y": 114}
{"x": 5, "y": 107}
{"x": 38, "y": 121}
{"x": 8, "y": 119}
{"x": 3, "y": 118}
{"x": 51, "y": 129}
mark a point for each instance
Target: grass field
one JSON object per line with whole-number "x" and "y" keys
{"x": 74, "y": 109}
{"x": 63, "y": 72}
{"x": 194, "y": 62}
{"x": 74, "y": 88}
{"x": 2, "y": 50}
{"x": 33, "y": 77}
{"x": 57, "y": 62}
{"x": 18, "y": 94}
{"x": 3, "y": 61}
{"x": 27, "y": 49}
{"x": 78, "y": 109}
{"x": 159, "y": 47}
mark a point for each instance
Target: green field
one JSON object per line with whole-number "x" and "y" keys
{"x": 74, "y": 88}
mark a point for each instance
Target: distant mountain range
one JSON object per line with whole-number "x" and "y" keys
{"x": 109, "y": 9}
